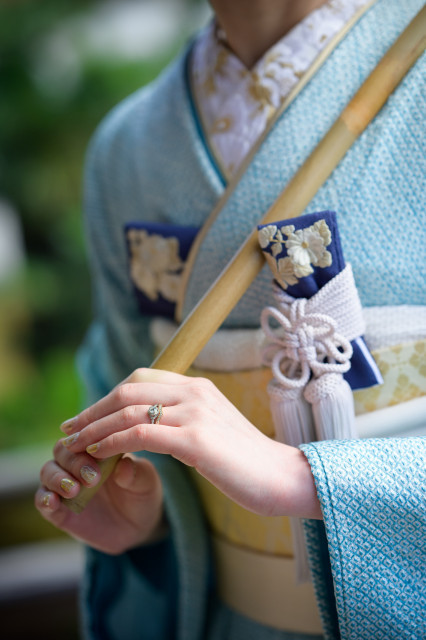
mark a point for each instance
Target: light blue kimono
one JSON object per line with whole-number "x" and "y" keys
{"x": 149, "y": 162}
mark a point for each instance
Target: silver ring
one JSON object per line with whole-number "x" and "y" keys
{"x": 155, "y": 412}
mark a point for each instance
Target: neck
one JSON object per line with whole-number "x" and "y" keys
{"x": 253, "y": 26}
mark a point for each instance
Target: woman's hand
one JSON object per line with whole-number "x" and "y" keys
{"x": 202, "y": 429}
{"x": 125, "y": 512}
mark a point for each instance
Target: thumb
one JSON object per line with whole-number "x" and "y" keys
{"x": 136, "y": 475}
{"x": 141, "y": 486}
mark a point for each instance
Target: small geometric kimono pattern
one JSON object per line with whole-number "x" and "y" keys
{"x": 373, "y": 498}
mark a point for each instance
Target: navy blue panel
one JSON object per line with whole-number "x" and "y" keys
{"x": 185, "y": 235}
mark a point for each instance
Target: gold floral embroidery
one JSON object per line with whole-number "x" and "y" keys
{"x": 382, "y": 364}
{"x": 418, "y": 359}
{"x": 221, "y": 61}
{"x": 396, "y": 349}
{"x": 259, "y": 93}
{"x": 404, "y": 389}
{"x": 221, "y": 125}
{"x": 155, "y": 265}
{"x": 209, "y": 85}
{"x": 370, "y": 398}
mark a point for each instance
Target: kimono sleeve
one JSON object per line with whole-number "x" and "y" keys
{"x": 158, "y": 591}
{"x": 117, "y": 341}
{"x": 373, "y": 498}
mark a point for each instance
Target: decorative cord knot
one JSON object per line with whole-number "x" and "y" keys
{"x": 302, "y": 343}
{"x": 308, "y": 352}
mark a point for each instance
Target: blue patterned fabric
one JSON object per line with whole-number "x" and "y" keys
{"x": 373, "y": 498}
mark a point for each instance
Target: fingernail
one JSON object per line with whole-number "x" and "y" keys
{"x": 88, "y": 474}
{"x": 67, "y": 442}
{"x": 67, "y": 426}
{"x": 45, "y": 501}
{"x": 67, "y": 484}
{"x": 92, "y": 448}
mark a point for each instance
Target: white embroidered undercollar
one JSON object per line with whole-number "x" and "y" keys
{"x": 236, "y": 103}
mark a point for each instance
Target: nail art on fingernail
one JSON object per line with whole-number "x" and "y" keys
{"x": 67, "y": 484}
{"x": 68, "y": 425}
{"x": 93, "y": 448}
{"x": 67, "y": 442}
{"x": 45, "y": 501}
{"x": 88, "y": 474}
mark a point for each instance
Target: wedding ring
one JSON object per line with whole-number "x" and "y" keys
{"x": 155, "y": 412}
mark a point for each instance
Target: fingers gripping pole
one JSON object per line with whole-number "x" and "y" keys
{"x": 78, "y": 504}
{"x": 230, "y": 286}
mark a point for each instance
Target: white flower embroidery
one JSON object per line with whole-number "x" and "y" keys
{"x": 282, "y": 270}
{"x": 266, "y": 235}
{"x": 271, "y": 235}
{"x": 325, "y": 259}
{"x": 306, "y": 247}
{"x": 155, "y": 264}
{"x": 286, "y": 274}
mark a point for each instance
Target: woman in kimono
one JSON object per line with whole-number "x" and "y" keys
{"x": 197, "y": 543}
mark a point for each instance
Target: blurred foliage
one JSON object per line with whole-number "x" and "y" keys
{"x": 21, "y": 523}
{"x": 43, "y": 136}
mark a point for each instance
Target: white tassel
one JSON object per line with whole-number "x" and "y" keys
{"x": 306, "y": 343}
{"x": 302, "y": 571}
{"x": 291, "y": 414}
{"x": 332, "y": 407}
{"x": 292, "y": 417}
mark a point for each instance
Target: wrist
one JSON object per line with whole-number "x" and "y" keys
{"x": 297, "y": 495}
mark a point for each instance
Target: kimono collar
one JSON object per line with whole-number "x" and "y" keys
{"x": 236, "y": 103}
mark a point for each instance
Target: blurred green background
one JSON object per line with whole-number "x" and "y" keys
{"x": 63, "y": 65}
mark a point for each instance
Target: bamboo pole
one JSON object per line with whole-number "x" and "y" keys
{"x": 246, "y": 264}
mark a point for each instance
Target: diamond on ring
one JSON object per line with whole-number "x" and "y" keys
{"x": 155, "y": 412}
